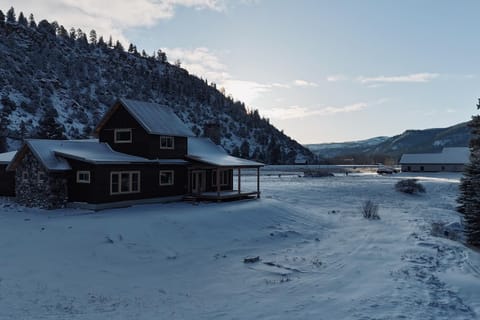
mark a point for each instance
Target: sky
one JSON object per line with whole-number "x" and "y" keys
{"x": 321, "y": 71}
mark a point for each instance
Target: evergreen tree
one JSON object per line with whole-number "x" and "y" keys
{"x": 62, "y": 32}
{"x": 469, "y": 198}
{"x": 49, "y": 127}
{"x": 22, "y": 20}
{"x": 101, "y": 42}
{"x": 245, "y": 149}
{"x": 31, "y": 21}
{"x": 119, "y": 46}
{"x": 73, "y": 34}
{"x": 161, "y": 56}
{"x": 2, "y": 19}
{"x": 93, "y": 37}
{"x": 11, "y": 15}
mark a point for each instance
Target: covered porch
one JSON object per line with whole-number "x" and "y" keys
{"x": 215, "y": 175}
{"x": 221, "y": 183}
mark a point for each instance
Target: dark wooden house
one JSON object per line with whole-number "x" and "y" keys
{"x": 7, "y": 178}
{"x": 144, "y": 151}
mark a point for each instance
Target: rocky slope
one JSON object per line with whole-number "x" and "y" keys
{"x": 57, "y": 83}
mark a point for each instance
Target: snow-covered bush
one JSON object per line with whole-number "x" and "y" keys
{"x": 370, "y": 210}
{"x": 409, "y": 186}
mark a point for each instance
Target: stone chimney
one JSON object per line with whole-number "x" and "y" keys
{"x": 212, "y": 130}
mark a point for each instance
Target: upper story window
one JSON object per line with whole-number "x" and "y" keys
{"x": 123, "y": 135}
{"x": 83, "y": 176}
{"x": 166, "y": 142}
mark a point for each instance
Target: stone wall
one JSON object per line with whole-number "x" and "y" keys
{"x": 35, "y": 187}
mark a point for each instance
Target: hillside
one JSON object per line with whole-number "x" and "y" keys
{"x": 390, "y": 149}
{"x": 55, "y": 83}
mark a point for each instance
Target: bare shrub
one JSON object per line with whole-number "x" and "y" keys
{"x": 410, "y": 186}
{"x": 370, "y": 210}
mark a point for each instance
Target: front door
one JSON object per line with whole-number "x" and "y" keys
{"x": 198, "y": 182}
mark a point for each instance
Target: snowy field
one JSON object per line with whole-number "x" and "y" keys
{"x": 320, "y": 259}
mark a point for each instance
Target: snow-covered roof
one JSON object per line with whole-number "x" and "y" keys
{"x": 454, "y": 155}
{"x": 53, "y": 154}
{"x": 6, "y": 157}
{"x": 204, "y": 150}
{"x": 153, "y": 117}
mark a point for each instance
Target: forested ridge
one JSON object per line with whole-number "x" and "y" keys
{"x": 57, "y": 83}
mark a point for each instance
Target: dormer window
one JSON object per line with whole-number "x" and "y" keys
{"x": 123, "y": 135}
{"x": 166, "y": 142}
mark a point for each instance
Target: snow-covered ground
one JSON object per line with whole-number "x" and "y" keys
{"x": 320, "y": 259}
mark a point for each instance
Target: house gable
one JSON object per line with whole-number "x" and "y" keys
{"x": 120, "y": 122}
{"x": 35, "y": 186}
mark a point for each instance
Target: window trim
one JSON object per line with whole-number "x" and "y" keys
{"x": 130, "y": 184}
{"x": 129, "y": 130}
{"x": 83, "y": 172}
{"x": 168, "y": 138}
{"x": 224, "y": 173}
{"x": 172, "y": 172}
{"x": 41, "y": 176}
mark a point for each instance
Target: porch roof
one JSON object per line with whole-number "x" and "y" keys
{"x": 7, "y": 157}
{"x": 204, "y": 150}
{"x": 53, "y": 154}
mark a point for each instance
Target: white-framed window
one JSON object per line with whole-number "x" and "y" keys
{"x": 224, "y": 177}
{"x": 122, "y": 135}
{"x": 122, "y": 182}
{"x": 166, "y": 178}
{"x": 83, "y": 176}
{"x": 24, "y": 176}
{"x": 40, "y": 176}
{"x": 166, "y": 142}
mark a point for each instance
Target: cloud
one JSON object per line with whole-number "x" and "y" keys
{"x": 295, "y": 112}
{"x": 303, "y": 83}
{"x": 207, "y": 64}
{"x": 337, "y": 78}
{"x": 109, "y": 18}
{"x": 411, "y": 78}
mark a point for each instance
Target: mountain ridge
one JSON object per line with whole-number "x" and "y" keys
{"x": 57, "y": 84}
{"x": 390, "y": 149}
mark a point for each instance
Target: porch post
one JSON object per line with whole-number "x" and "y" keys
{"x": 239, "y": 179}
{"x": 258, "y": 182}
{"x": 218, "y": 182}
{"x": 189, "y": 172}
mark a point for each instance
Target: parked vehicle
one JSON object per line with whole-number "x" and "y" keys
{"x": 386, "y": 170}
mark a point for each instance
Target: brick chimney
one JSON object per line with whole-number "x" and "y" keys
{"x": 212, "y": 130}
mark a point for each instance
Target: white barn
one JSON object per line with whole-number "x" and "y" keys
{"x": 450, "y": 159}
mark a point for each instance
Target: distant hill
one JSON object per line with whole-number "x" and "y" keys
{"x": 56, "y": 83}
{"x": 390, "y": 149}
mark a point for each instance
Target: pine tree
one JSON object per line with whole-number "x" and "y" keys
{"x": 2, "y": 19}
{"x": 469, "y": 198}
{"x": 245, "y": 149}
{"x": 49, "y": 127}
{"x": 11, "y": 15}
{"x": 93, "y": 37}
{"x": 73, "y": 34}
{"x": 31, "y": 21}
{"x": 22, "y": 20}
